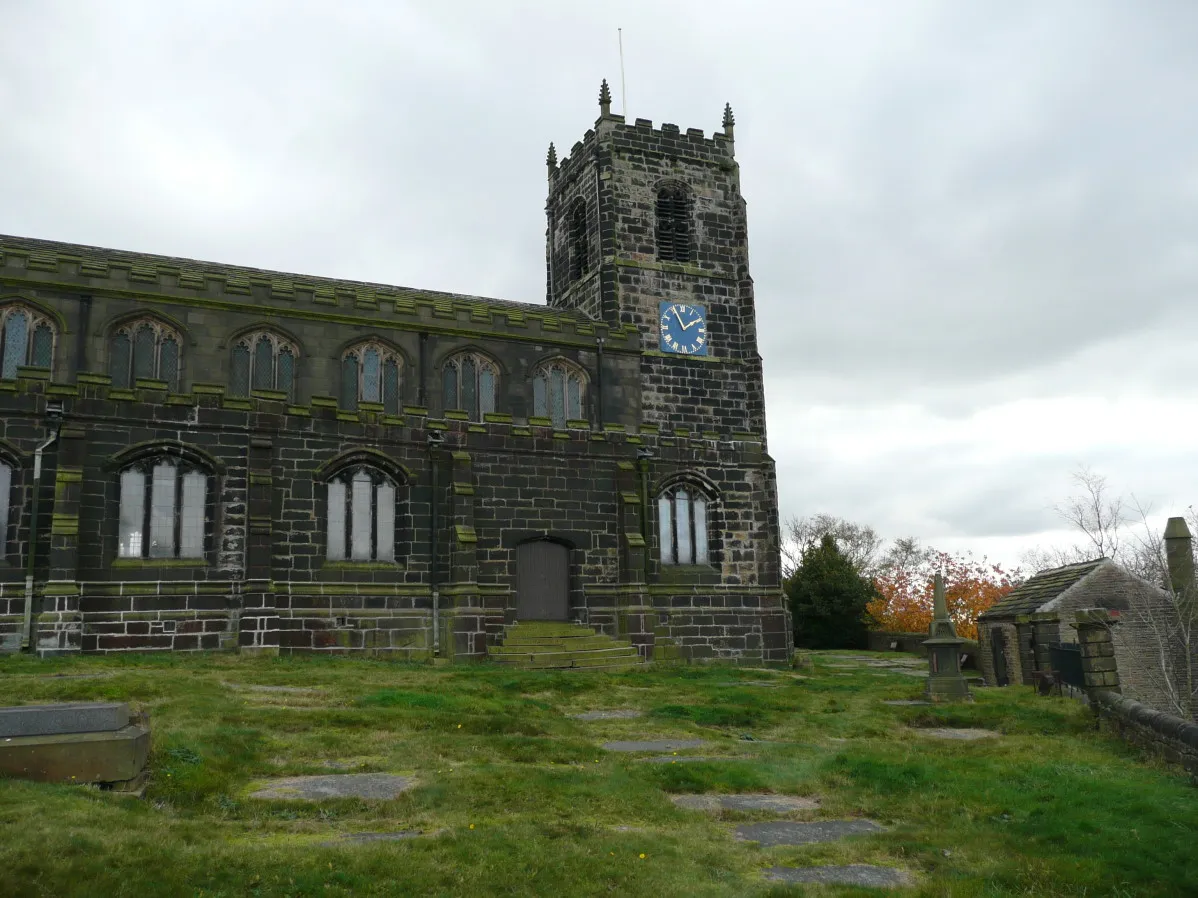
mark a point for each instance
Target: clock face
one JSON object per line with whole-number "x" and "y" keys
{"x": 683, "y": 328}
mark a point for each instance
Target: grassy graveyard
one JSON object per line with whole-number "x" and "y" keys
{"x": 514, "y": 796}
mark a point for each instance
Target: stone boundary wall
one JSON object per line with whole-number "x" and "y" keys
{"x": 1163, "y": 735}
{"x": 879, "y": 641}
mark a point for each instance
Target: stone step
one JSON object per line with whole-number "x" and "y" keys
{"x": 549, "y": 628}
{"x": 567, "y": 659}
{"x": 571, "y": 645}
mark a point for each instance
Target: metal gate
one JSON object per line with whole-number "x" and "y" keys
{"x": 542, "y": 581}
{"x": 1066, "y": 660}
{"x": 998, "y": 645}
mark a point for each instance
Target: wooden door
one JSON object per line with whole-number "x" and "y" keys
{"x": 997, "y": 645}
{"x": 542, "y": 581}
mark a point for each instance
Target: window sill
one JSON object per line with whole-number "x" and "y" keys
{"x": 362, "y": 566}
{"x": 159, "y": 562}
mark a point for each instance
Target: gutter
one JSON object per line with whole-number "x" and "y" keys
{"x": 31, "y": 555}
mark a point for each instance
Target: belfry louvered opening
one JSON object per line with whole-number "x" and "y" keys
{"x": 673, "y": 224}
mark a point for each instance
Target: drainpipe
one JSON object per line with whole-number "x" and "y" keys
{"x": 599, "y": 384}
{"x": 420, "y": 397}
{"x": 31, "y": 554}
{"x": 642, "y": 457}
{"x": 434, "y": 443}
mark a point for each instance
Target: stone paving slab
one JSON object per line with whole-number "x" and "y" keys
{"x": 285, "y": 690}
{"x": 614, "y": 714}
{"x": 791, "y": 833}
{"x": 961, "y": 735}
{"x": 67, "y": 717}
{"x": 654, "y": 745}
{"x": 686, "y": 759}
{"x": 381, "y": 786}
{"x": 848, "y": 875}
{"x": 906, "y": 701}
{"x": 782, "y": 804}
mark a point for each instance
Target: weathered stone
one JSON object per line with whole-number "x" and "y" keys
{"x": 616, "y": 714}
{"x": 101, "y": 757}
{"x": 848, "y": 875}
{"x": 959, "y": 734}
{"x": 792, "y": 833}
{"x": 284, "y": 690}
{"x": 906, "y": 701}
{"x": 363, "y": 838}
{"x": 654, "y": 745}
{"x": 781, "y": 804}
{"x": 378, "y": 786}
{"x": 688, "y": 759}
{"x": 73, "y": 717}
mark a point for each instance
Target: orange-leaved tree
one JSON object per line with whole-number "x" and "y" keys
{"x": 904, "y": 585}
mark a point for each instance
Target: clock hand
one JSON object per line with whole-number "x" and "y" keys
{"x": 678, "y": 317}
{"x": 687, "y": 327}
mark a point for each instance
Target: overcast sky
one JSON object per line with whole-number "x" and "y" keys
{"x": 974, "y": 226}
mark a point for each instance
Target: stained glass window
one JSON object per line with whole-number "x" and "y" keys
{"x": 26, "y": 338}
{"x": 557, "y": 392}
{"x": 163, "y": 510}
{"x": 145, "y": 349}
{"x": 375, "y": 375}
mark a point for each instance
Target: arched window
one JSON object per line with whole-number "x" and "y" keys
{"x": 370, "y": 372}
{"x": 579, "y": 255}
{"x": 673, "y": 224}
{"x": 262, "y": 361}
{"x": 164, "y": 502}
{"x": 361, "y": 515}
{"x": 26, "y": 338}
{"x": 682, "y": 525}
{"x": 468, "y": 383}
{"x": 557, "y": 392}
{"x": 144, "y": 348}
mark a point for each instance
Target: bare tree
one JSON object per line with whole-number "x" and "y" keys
{"x": 859, "y": 543}
{"x": 1097, "y": 514}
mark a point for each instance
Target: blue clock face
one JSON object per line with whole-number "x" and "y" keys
{"x": 683, "y": 328}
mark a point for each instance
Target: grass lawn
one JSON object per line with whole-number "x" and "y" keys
{"x": 519, "y": 798}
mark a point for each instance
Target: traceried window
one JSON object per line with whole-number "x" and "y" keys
{"x": 682, "y": 525}
{"x": 673, "y": 224}
{"x": 361, "y": 515}
{"x": 145, "y": 349}
{"x": 557, "y": 392}
{"x": 262, "y": 361}
{"x": 163, "y": 505}
{"x": 468, "y": 383}
{"x": 579, "y": 255}
{"x": 26, "y": 338}
{"x": 370, "y": 372}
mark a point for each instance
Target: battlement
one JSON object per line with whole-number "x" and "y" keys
{"x": 642, "y": 137}
{"x": 46, "y": 265}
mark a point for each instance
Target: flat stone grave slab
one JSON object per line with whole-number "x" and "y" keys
{"x": 848, "y": 875}
{"x": 282, "y": 690}
{"x": 790, "y": 833}
{"x": 961, "y": 735}
{"x": 905, "y": 701}
{"x": 688, "y": 759}
{"x": 654, "y": 745}
{"x": 69, "y": 717}
{"x": 613, "y": 714}
{"x": 767, "y": 684}
{"x": 841, "y": 666}
{"x": 782, "y": 804}
{"x": 378, "y": 786}
{"x": 364, "y": 838}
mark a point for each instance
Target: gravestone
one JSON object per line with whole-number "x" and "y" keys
{"x": 377, "y": 786}
{"x": 782, "y": 804}
{"x": 791, "y": 833}
{"x": 958, "y": 734}
{"x": 847, "y": 875}
{"x": 654, "y": 745}
{"x": 78, "y": 742}
{"x": 615, "y": 714}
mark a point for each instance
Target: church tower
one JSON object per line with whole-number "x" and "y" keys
{"x": 647, "y": 226}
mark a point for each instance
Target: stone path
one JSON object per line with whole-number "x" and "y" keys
{"x": 849, "y": 875}
{"x": 791, "y": 833}
{"x": 379, "y": 786}
{"x": 782, "y": 804}
{"x": 615, "y": 714}
{"x": 654, "y": 745}
{"x": 961, "y": 735}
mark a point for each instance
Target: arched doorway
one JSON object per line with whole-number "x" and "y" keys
{"x": 542, "y": 581}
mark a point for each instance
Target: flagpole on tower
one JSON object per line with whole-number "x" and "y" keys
{"x": 623, "y": 91}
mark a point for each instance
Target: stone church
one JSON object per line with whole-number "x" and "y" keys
{"x": 204, "y": 456}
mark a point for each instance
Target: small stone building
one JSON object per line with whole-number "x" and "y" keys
{"x": 199, "y": 456}
{"x": 1015, "y": 635}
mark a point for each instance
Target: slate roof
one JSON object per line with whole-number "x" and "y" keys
{"x": 125, "y": 257}
{"x": 1037, "y": 591}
